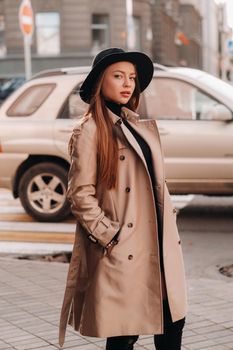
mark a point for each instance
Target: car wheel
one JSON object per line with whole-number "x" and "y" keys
{"x": 42, "y": 192}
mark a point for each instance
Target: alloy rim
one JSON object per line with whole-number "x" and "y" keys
{"x": 46, "y": 193}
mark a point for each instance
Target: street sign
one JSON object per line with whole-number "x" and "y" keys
{"x": 26, "y": 20}
{"x": 26, "y": 23}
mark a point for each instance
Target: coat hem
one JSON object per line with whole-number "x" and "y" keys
{"x": 106, "y": 335}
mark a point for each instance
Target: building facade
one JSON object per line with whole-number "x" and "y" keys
{"x": 225, "y": 45}
{"x": 70, "y": 32}
{"x": 209, "y": 11}
{"x": 216, "y": 34}
{"x": 190, "y": 54}
{"x": 177, "y": 33}
{"x": 165, "y": 21}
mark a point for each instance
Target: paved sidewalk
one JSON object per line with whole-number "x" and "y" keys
{"x": 30, "y": 299}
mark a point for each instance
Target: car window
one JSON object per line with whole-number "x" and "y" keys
{"x": 168, "y": 98}
{"x": 221, "y": 87}
{"x": 204, "y": 105}
{"x": 30, "y": 100}
{"x": 74, "y": 106}
{"x": 6, "y": 85}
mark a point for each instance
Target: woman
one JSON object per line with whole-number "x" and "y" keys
{"x": 126, "y": 274}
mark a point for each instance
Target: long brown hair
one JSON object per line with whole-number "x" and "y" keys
{"x": 107, "y": 149}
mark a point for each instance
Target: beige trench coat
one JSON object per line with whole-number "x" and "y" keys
{"x": 120, "y": 292}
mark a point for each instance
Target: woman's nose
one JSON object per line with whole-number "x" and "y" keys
{"x": 127, "y": 82}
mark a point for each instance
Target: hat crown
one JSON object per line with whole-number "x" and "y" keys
{"x": 102, "y": 54}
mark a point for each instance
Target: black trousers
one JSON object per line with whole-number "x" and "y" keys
{"x": 170, "y": 340}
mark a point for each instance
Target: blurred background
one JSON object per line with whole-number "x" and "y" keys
{"x": 191, "y": 33}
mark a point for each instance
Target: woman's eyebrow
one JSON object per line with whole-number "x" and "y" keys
{"x": 121, "y": 71}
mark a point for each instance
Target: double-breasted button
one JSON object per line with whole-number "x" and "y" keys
{"x": 122, "y": 157}
{"x": 174, "y": 210}
{"x": 130, "y": 256}
{"x": 127, "y": 189}
{"x": 178, "y": 242}
{"x": 130, "y": 224}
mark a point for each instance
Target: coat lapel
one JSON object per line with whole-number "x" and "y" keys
{"x": 130, "y": 138}
{"x": 148, "y": 130}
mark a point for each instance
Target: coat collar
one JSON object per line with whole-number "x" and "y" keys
{"x": 125, "y": 113}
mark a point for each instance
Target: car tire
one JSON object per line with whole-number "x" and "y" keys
{"x": 42, "y": 192}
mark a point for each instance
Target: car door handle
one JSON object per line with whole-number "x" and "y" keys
{"x": 163, "y": 131}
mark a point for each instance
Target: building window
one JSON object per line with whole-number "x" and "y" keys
{"x": 100, "y": 32}
{"x": 48, "y": 33}
{"x": 2, "y": 37}
{"x": 134, "y": 33}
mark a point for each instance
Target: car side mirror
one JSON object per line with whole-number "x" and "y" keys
{"x": 218, "y": 112}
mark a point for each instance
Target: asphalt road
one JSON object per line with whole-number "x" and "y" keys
{"x": 206, "y": 230}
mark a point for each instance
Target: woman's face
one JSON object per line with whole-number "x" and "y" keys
{"x": 119, "y": 82}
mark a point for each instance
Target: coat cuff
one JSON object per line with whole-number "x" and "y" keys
{"x": 104, "y": 231}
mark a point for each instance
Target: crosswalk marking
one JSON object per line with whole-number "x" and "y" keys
{"x": 10, "y": 247}
{"x": 23, "y": 217}
{"x": 37, "y": 226}
{"x": 41, "y": 237}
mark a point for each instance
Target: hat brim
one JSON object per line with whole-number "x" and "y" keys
{"x": 143, "y": 63}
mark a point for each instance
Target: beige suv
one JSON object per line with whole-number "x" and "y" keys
{"x": 194, "y": 115}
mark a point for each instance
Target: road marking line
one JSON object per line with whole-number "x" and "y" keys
{"x": 25, "y": 218}
{"x": 37, "y": 227}
{"x": 8, "y": 247}
{"x": 16, "y": 217}
{"x": 42, "y": 237}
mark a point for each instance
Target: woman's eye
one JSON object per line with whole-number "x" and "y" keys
{"x": 132, "y": 78}
{"x": 118, "y": 76}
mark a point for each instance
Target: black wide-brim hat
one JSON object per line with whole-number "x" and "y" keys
{"x": 105, "y": 58}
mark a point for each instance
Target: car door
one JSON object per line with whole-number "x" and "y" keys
{"x": 196, "y": 147}
{"x": 24, "y": 130}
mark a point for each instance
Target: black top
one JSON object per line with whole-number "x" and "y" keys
{"x": 116, "y": 109}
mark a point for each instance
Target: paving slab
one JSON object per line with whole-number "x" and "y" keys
{"x": 31, "y": 294}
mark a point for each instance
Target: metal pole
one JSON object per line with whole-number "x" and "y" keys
{"x": 27, "y": 57}
{"x": 129, "y": 22}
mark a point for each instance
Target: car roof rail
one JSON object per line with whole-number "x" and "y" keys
{"x": 61, "y": 71}
{"x": 158, "y": 66}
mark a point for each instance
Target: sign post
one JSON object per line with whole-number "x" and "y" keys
{"x": 129, "y": 24}
{"x": 26, "y": 23}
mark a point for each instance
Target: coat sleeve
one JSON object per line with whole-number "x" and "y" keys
{"x": 82, "y": 185}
